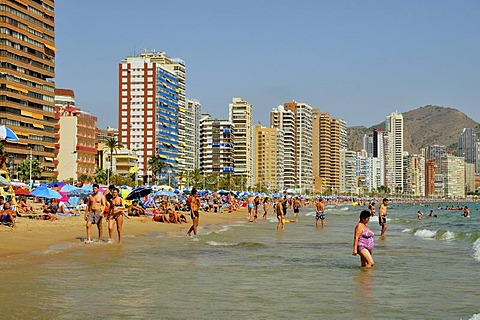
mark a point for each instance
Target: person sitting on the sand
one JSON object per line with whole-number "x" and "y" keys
{"x": 24, "y": 207}
{"x": 62, "y": 208}
{"x": 136, "y": 210}
{"x": 160, "y": 218}
{"x": 7, "y": 214}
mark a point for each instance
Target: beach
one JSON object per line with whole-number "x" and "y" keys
{"x": 424, "y": 269}
{"x": 31, "y": 235}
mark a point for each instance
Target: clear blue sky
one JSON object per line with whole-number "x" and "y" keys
{"x": 358, "y": 60}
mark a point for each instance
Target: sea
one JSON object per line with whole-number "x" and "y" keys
{"x": 424, "y": 269}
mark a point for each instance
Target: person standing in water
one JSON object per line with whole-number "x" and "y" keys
{"x": 94, "y": 213}
{"x": 320, "y": 212}
{"x": 371, "y": 207}
{"x": 194, "y": 207}
{"x": 280, "y": 215}
{"x": 117, "y": 210}
{"x": 382, "y": 216}
{"x": 363, "y": 240}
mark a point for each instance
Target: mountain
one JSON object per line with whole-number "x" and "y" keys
{"x": 422, "y": 127}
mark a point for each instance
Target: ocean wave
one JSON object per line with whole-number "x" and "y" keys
{"x": 407, "y": 230}
{"x": 425, "y": 234}
{"x": 475, "y": 317}
{"x": 254, "y": 245}
{"x": 476, "y": 252}
{"x": 448, "y": 236}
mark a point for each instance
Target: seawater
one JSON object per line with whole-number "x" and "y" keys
{"x": 428, "y": 269}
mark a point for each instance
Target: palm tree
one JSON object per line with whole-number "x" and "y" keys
{"x": 196, "y": 176}
{"x": 112, "y": 145}
{"x": 23, "y": 169}
{"x": 156, "y": 164}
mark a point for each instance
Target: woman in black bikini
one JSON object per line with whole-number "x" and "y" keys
{"x": 117, "y": 210}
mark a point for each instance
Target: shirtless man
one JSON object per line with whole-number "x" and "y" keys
{"x": 320, "y": 212}
{"x": 466, "y": 212}
{"x": 94, "y": 213}
{"x": 194, "y": 207}
{"x": 280, "y": 215}
{"x": 250, "y": 205}
{"x": 382, "y": 216}
{"x": 296, "y": 207}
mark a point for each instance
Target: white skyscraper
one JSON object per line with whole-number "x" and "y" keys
{"x": 394, "y": 125}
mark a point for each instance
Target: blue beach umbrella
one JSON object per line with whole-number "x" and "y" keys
{"x": 164, "y": 193}
{"x": 138, "y": 193}
{"x": 43, "y": 192}
{"x": 7, "y": 134}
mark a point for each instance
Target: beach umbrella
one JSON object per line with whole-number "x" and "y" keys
{"x": 164, "y": 187}
{"x": 22, "y": 192}
{"x": 4, "y": 182}
{"x": 138, "y": 193}
{"x": 7, "y": 134}
{"x": 78, "y": 192}
{"x": 43, "y": 192}
{"x": 67, "y": 187}
{"x": 164, "y": 193}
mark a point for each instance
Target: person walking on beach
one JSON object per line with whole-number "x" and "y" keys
{"x": 94, "y": 213}
{"x": 194, "y": 207}
{"x": 250, "y": 205}
{"x": 280, "y": 215}
{"x": 363, "y": 240}
{"x": 296, "y": 207}
{"x": 256, "y": 205}
{"x": 115, "y": 215}
{"x": 320, "y": 212}
{"x": 382, "y": 216}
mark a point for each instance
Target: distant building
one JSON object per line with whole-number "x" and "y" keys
{"x": 453, "y": 171}
{"x": 240, "y": 114}
{"x": 347, "y": 172}
{"x": 75, "y": 147}
{"x": 394, "y": 171}
{"x": 216, "y": 146}
{"x": 268, "y": 158}
{"x": 192, "y": 134}
{"x": 27, "y": 92}
{"x": 151, "y": 111}
{"x": 414, "y": 176}
{"x": 467, "y": 145}
{"x": 429, "y": 177}
{"x": 469, "y": 177}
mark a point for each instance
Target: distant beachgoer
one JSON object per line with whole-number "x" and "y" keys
{"x": 371, "y": 207}
{"x": 419, "y": 215}
{"x": 136, "y": 210}
{"x": 24, "y": 207}
{"x": 363, "y": 240}
{"x": 280, "y": 215}
{"x": 285, "y": 205}
{"x": 431, "y": 213}
{"x": 7, "y": 214}
{"x": 382, "y": 216}
{"x": 320, "y": 212}
{"x": 265, "y": 207}
{"x": 296, "y": 207}
{"x": 115, "y": 216}
{"x": 256, "y": 204}
{"x": 250, "y": 206}
{"x": 94, "y": 213}
{"x": 466, "y": 212}
{"x": 194, "y": 207}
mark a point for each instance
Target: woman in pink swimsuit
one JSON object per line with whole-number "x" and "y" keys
{"x": 363, "y": 240}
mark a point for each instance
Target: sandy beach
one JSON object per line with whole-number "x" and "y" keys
{"x": 32, "y": 235}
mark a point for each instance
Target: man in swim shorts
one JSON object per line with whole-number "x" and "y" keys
{"x": 382, "y": 216}
{"x": 250, "y": 206}
{"x": 320, "y": 212}
{"x": 94, "y": 213}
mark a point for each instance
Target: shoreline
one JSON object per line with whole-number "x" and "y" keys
{"x": 30, "y": 235}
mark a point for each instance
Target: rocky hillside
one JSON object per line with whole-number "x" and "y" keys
{"x": 422, "y": 127}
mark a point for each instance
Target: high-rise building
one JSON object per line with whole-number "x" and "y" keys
{"x": 286, "y": 121}
{"x": 76, "y": 138}
{"x": 469, "y": 177}
{"x": 394, "y": 125}
{"x": 216, "y": 146}
{"x": 326, "y": 145}
{"x": 429, "y": 177}
{"x": 453, "y": 171}
{"x": 27, "y": 67}
{"x": 149, "y": 110}
{"x": 192, "y": 134}
{"x": 414, "y": 181}
{"x": 268, "y": 158}
{"x": 240, "y": 114}
{"x": 467, "y": 145}
{"x": 435, "y": 152}
{"x": 347, "y": 172}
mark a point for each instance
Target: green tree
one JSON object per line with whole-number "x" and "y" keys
{"x": 112, "y": 145}
{"x": 156, "y": 165}
{"x": 100, "y": 175}
{"x": 196, "y": 177}
{"x": 23, "y": 169}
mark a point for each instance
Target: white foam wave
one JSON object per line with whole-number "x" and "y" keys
{"x": 407, "y": 230}
{"x": 475, "y": 317}
{"x": 224, "y": 229}
{"x": 221, "y": 244}
{"x": 476, "y": 253}
{"x": 448, "y": 235}
{"x": 425, "y": 234}
{"x": 310, "y": 214}
{"x": 344, "y": 209}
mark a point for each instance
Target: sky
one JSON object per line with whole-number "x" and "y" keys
{"x": 357, "y": 60}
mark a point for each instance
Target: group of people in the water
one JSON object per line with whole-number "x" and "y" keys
{"x": 465, "y": 213}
